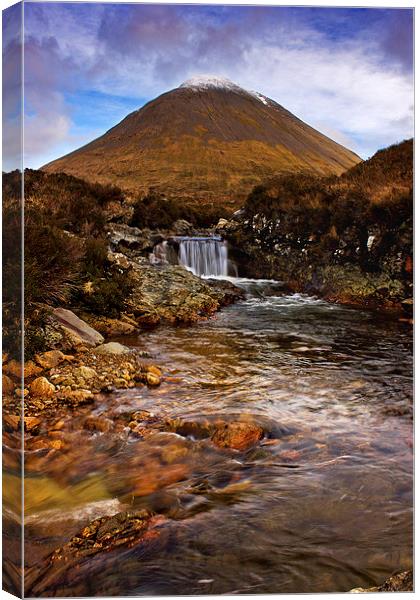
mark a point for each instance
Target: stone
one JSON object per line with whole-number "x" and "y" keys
{"x": 112, "y": 327}
{"x": 50, "y": 359}
{"x": 30, "y": 369}
{"x": 112, "y": 348}
{"x": 70, "y": 561}
{"x": 77, "y": 333}
{"x": 8, "y": 386}
{"x": 237, "y": 435}
{"x": 41, "y": 387}
{"x": 152, "y": 379}
{"x": 182, "y": 227}
{"x": 11, "y": 422}
{"x": 31, "y": 423}
{"x": 401, "y": 582}
{"x": 155, "y": 370}
{"x": 85, "y": 372}
{"x": 76, "y": 397}
{"x": 101, "y": 424}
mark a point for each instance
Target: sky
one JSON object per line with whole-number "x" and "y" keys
{"x": 347, "y": 72}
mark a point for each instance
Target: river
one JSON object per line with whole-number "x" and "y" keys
{"x": 322, "y": 504}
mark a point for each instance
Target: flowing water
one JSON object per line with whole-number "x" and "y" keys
{"x": 205, "y": 256}
{"x": 323, "y": 503}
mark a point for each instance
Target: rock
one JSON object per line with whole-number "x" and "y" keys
{"x": 111, "y": 327}
{"x": 31, "y": 423}
{"x": 101, "y": 424}
{"x": 8, "y": 386}
{"x": 237, "y": 435}
{"x": 50, "y": 359}
{"x": 155, "y": 370}
{"x": 119, "y": 259}
{"x": 85, "y": 372}
{"x": 30, "y": 369}
{"x": 76, "y": 397}
{"x": 77, "y": 333}
{"x": 182, "y": 227}
{"x": 75, "y": 559}
{"x": 402, "y": 582}
{"x": 11, "y": 422}
{"x": 112, "y": 348}
{"x": 122, "y": 237}
{"x": 152, "y": 379}
{"x": 222, "y": 223}
{"x": 41, "y": 387}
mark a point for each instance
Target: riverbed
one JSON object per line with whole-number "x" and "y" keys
{"x": 322, "y": 504}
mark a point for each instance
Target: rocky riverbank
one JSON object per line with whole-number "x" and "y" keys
{"x": 347, "y": 239}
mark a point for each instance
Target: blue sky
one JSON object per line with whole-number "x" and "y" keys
{"x": 347, "y": 72}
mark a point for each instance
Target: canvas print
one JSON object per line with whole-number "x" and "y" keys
{"x": 207, "y": 299}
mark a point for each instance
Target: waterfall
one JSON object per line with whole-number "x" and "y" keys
{"x": 204, "y": 256}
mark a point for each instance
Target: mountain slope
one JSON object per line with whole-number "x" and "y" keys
{"x": 209, "y": 139}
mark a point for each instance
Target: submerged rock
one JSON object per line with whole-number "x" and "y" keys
{"x": 62, "y": 567}
{"x": 237, "y": 435}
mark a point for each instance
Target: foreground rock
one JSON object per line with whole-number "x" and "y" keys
{"x": 76, "y": 333}
{"x": 101, "y": 536}
{"x": 402, "y": 582}
{"x": 75, "y": 380}
{"x": 169, "y": 293}
{"x": 236, "y": 435}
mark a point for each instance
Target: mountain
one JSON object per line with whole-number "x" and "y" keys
{"x": 209, "y": 140}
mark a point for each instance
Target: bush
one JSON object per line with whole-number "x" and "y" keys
{"x": 52, "y": 262}
{"x": 157, "y": 212}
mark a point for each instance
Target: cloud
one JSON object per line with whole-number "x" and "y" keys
{"x": 344, "y": 71}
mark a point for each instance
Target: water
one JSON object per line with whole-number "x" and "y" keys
{"x": 324, "y": 503}
{"x": 204, "y": 256}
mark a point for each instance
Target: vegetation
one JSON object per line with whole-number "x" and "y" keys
{"x": 157, "y": 212}
{"x": 65, "y": 253}
{"x": 329, "y": 220}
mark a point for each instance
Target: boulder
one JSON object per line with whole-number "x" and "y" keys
{"x": 112, "y": 348}
{"x": 42, "y": 388}
{"x": 77, "y": 333}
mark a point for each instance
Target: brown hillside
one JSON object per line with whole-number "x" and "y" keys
{"x": 209, "y": 140}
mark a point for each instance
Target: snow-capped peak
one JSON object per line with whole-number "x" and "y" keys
{"x": 205, "y": 82}
{"x": 210, "y": 81}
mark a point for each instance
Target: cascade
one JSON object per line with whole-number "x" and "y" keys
{"x": 204, "y": 256}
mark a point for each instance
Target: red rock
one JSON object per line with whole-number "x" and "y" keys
{"x": 237, "y": 435}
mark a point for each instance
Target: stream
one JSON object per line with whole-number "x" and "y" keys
{"x": 322, "y": 504}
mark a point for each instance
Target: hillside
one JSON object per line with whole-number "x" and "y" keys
{"x": 210, "y": 140}
{"x": 346, "y": 238}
